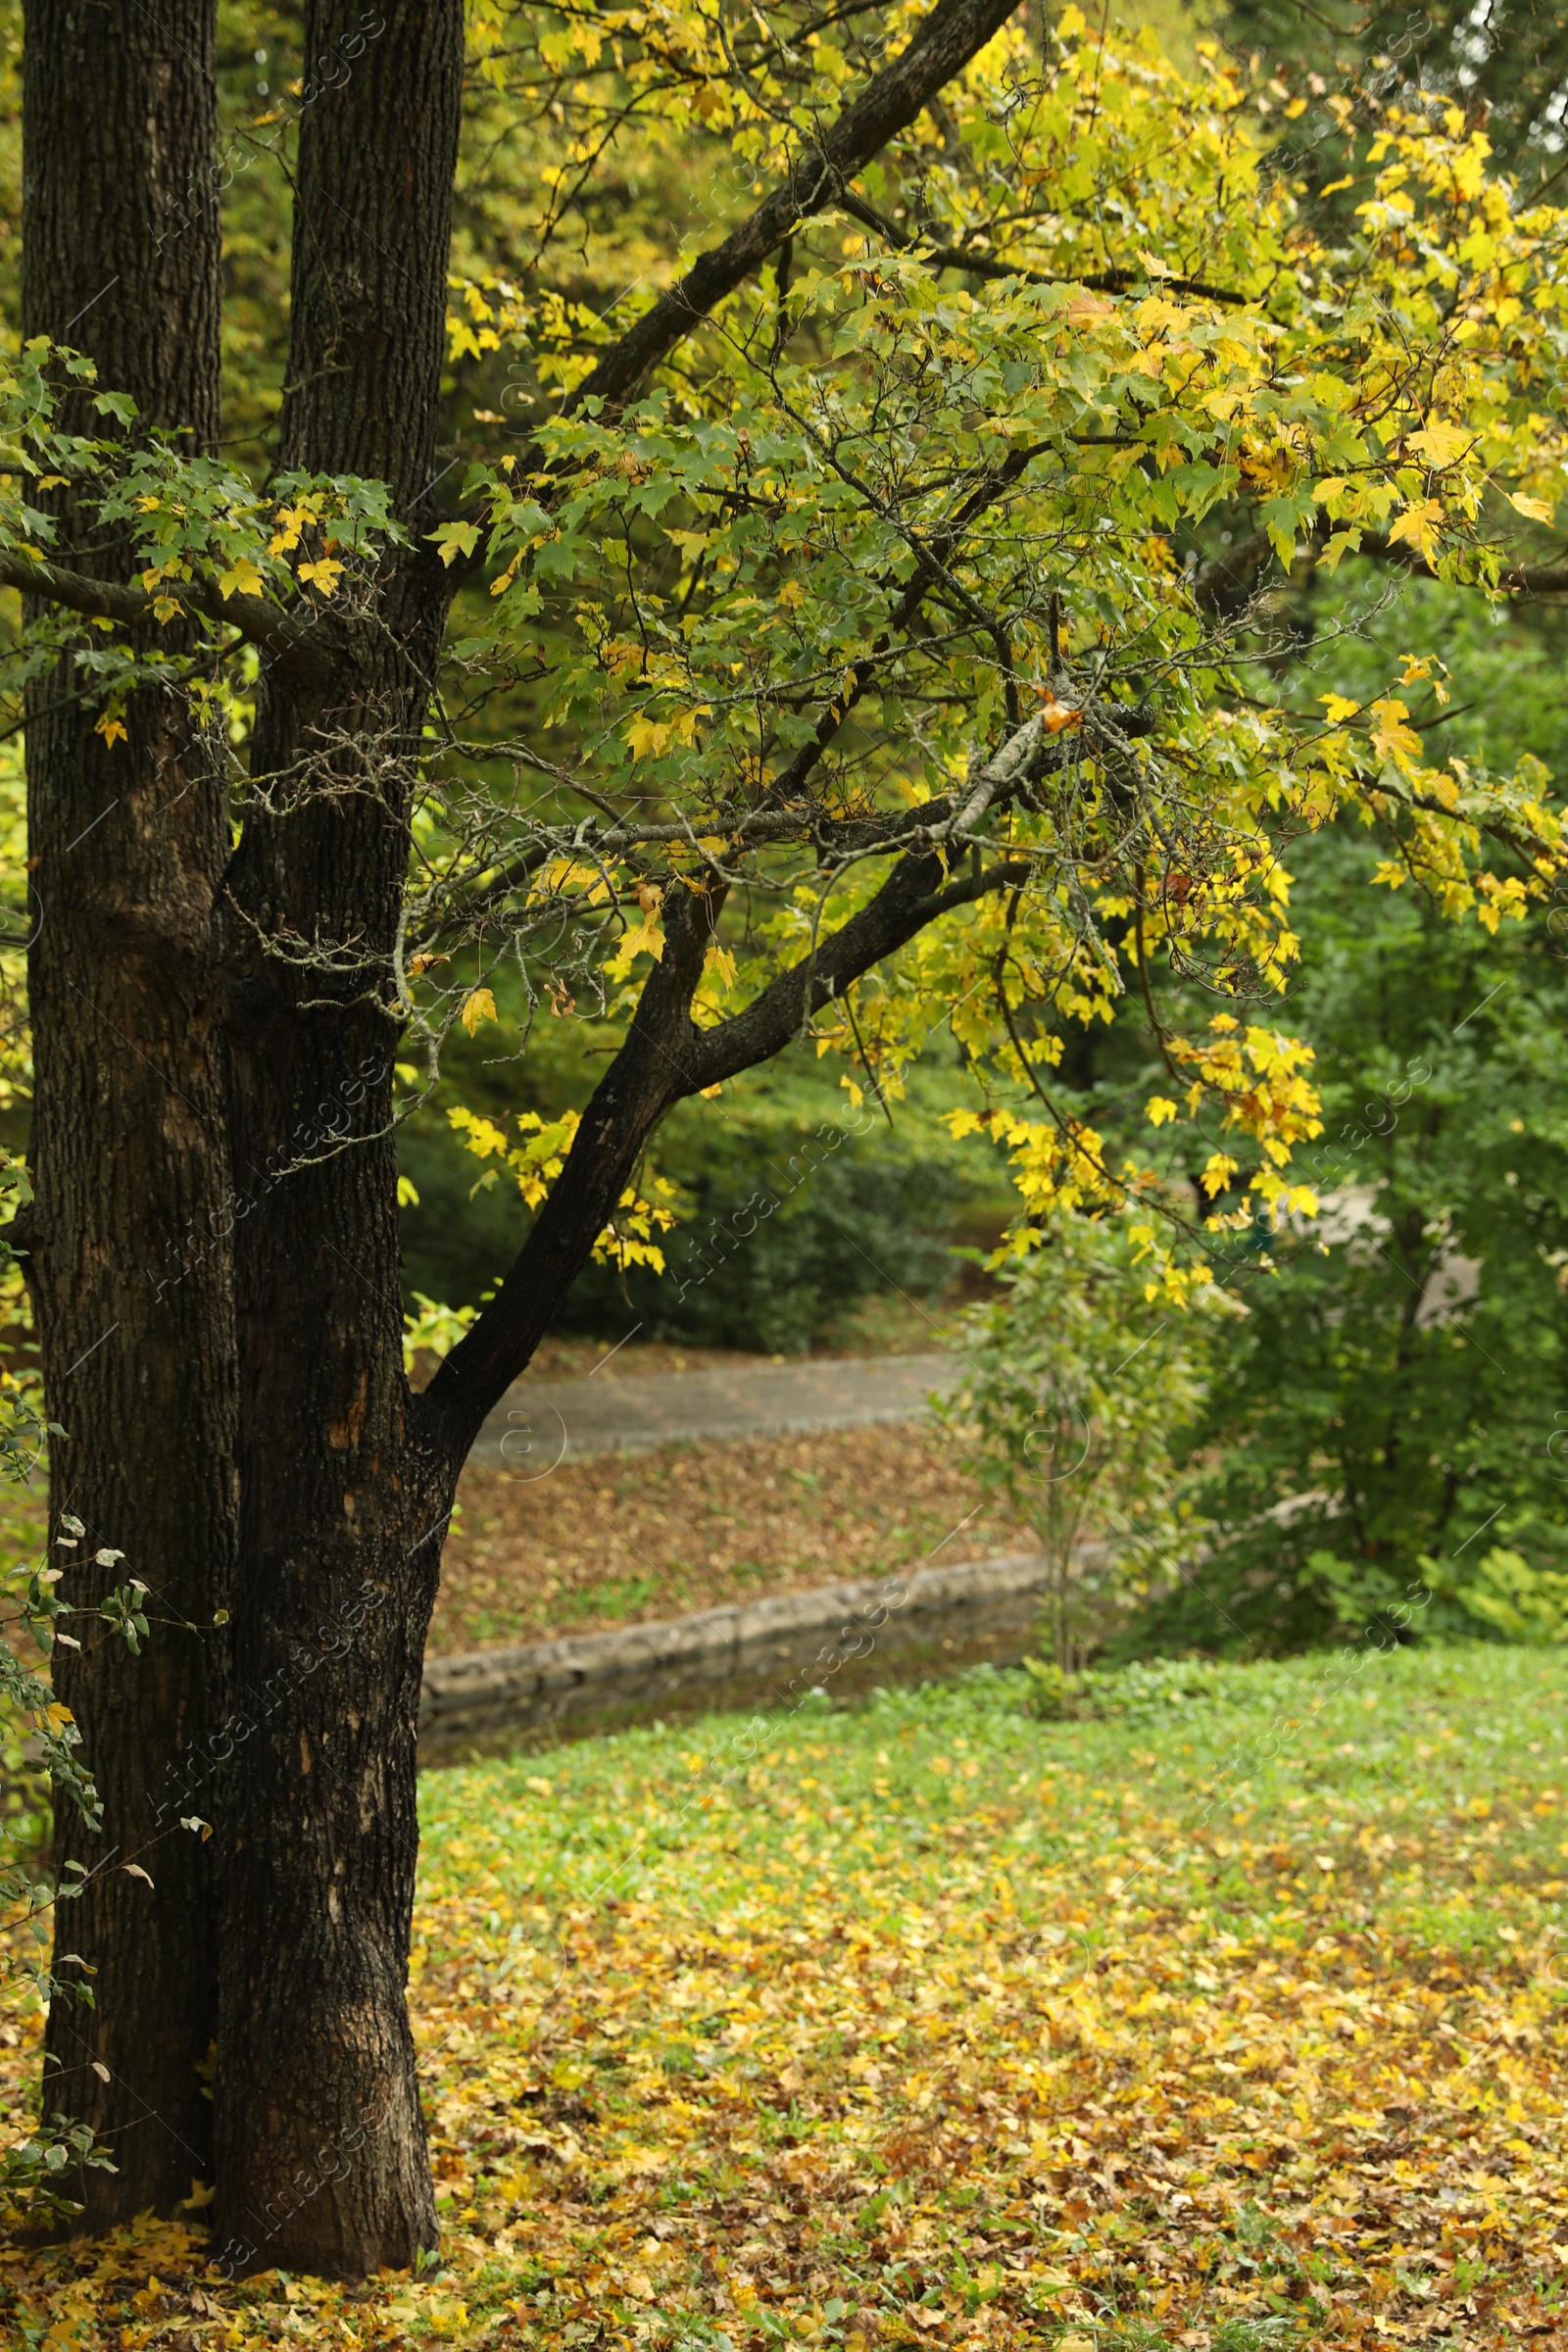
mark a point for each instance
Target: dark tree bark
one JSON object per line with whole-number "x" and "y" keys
{"x": 126, "y": 1257}
{"x": 321, "y": 2156}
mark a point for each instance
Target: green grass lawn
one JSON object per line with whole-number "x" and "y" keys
{"x": 1229, "y": 2019}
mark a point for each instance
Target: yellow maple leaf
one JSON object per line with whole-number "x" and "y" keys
{"x": 1470, "y": 167}
{"x": 291, "y": 520}
{"x": 1217, "y": 1173}
{"x": 57, "y": 1717}
{"x": 646, "y": 938}
{"x": 1338, "y": 709}
{"x": 1418, "y": 526}
{"x": 112, "y": 731}
{"x": 1392, "y": 739}
{"x": 646, "y": 735}
{"x": 323, "y": 575}
{"x": 1158, "y": 1109}
{"x": 479, "y": 1005}
{"x": 1536, "y": 508}
{"x": 241, "y": 579}
{"x": 481, "y": 1136}
{"x": 1442, "y": 444}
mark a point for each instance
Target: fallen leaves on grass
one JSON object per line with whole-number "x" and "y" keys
{"x": 1235, "y": 2021}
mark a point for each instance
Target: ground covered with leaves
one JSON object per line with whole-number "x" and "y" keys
{"x": 626, "y": 1537}
{"x": 1231, "y": 2017}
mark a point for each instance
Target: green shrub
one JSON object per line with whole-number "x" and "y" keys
{"x": 1076, "y": 1390}
{"x": 1150, "y": 1690}
{"x": 1518, "y": 1602}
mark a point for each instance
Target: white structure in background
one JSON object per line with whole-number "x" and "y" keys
{"x": 1351, "y": 1219}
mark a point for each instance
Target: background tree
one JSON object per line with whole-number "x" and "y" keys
{"x": 1505, "y": 66}
{"x": 1390, "y": 1408}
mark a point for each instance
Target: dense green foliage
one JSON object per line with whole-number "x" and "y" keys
{"x": 1399, "y": 1385}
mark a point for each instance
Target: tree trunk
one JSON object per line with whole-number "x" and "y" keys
{"x": 321, "y": 2157}
{"x": 126, "y": 1258}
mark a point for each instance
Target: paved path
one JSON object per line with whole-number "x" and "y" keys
{"x": 542, "y": 1422}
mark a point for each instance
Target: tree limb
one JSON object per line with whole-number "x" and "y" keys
{"x": 981, "y": 265}
{"x": 1237, "y": 563}
{"x": 955, "y": 33}
{"x": 665, "y": 1059}
{"x": 625, "y": 1106}
{"x": 263, "y": 623}
{"x": 837, "y": 839}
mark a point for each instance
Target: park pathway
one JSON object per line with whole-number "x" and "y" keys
{"x": 542, "y": 1422}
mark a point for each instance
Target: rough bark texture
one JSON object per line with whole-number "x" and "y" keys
{"x": 321, "y": 2156}
{"x": 127, "y": 1263}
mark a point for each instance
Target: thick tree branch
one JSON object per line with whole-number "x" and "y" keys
{"x": 988, "y": 266}
{"x": 291, "y": 642}
{"x": 1520, "y": 579}
{"x": 1231, "y": 568}
{"x": 914, "y": 895}
{"x": 955, "y": 33}
{"x": 645, "y": 1076}
{"x": 1237, "y": 563}
{"x": 783, "y": 818}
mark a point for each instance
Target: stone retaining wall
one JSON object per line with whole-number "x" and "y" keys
{"x": 840, "y": 1638}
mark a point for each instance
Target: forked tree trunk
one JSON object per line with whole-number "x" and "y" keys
{"x": 127, "y": 1256}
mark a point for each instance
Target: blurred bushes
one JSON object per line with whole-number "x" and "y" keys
{"x": 791, "y": 1225}
{"x": 795, "y": 1210}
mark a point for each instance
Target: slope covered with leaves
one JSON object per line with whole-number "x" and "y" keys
{"x": 614, "y": 1541}
{"x": 1230, "y": 2018}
